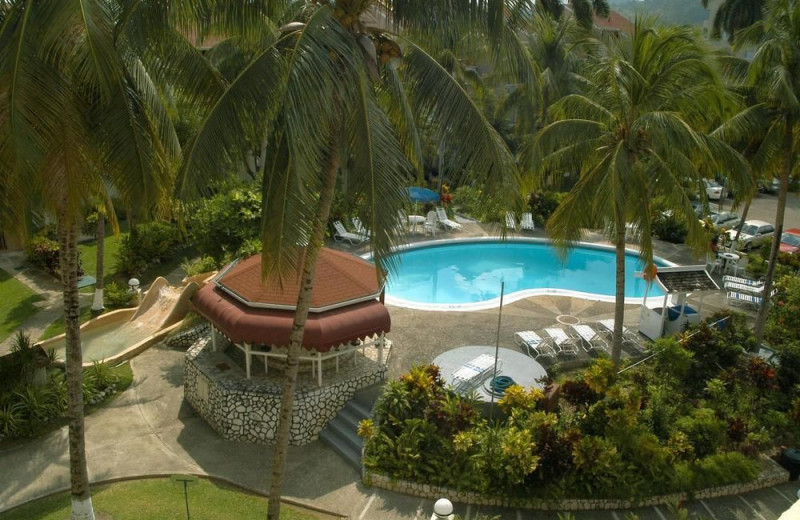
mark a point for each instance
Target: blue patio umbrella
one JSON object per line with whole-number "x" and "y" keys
{"x": 417, "y": 194}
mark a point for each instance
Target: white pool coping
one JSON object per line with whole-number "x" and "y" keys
{"x": 515, "y": 296}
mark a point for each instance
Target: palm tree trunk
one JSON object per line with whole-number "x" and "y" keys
{"x": 315, "y": 243}
{"x": 739, "y": 226}
{"x": 78, "y": 472}
{"x": 97, "y": 303}
{"x": 786, "y": 170}
{"x": 619, "y": 302}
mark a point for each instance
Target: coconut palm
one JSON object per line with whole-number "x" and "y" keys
{"x": 333, "y": 95}
{"x": 79, "y": 112}
{"x": 583, "y": 10}
{"x": 633, "y": 135}
{"x": 734, "y": 15}
{"x": 773, "y": 75}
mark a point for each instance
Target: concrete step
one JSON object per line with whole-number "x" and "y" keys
{"x": 341, "y": 433}
{"x": 343, "y": 445}
{"x": 345, "y": 432}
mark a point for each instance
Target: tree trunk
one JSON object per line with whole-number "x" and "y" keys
{"x": 78, "y": 472}
{"x": 786, "y": 170}
{"x": 739, "y": 226}
{"x": 619, "y": 304}
{"x": 97, "y": 303}
{"x": 315, "y": 243}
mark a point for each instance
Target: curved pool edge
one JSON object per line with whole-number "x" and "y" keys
{"x": 511, "y": 297}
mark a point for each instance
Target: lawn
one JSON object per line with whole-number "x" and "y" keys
{"x": 88, "y": 251}
{"x": 57, "y": 327}
{"x": 157, "y": 499}
{"x": 17, "y": 304}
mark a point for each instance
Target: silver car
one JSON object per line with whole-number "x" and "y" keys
{"x": 754, "y": 232}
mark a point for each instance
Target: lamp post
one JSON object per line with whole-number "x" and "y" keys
{"x": 443, "y": 510}
{"x": 133, "y": 286}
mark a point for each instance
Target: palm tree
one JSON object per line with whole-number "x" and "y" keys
{"x": 633, "y": 136}
{"x": 734, "y": 15}
{"x": 773, "y": 75}
{"x": 77, "y": 99}
{"x": 584, "y": 10}
{"x": 360, "y": 117}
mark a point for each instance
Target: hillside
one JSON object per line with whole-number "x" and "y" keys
{"x": 680, "y": 12}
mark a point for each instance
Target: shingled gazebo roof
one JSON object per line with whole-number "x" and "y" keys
{"x": 344, "y": 305}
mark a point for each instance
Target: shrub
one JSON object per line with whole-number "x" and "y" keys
{"x": 717, "y": 470}
{"x": 200, "y": 265}
{"x": 45, "y": 253}
{"x": 116, "y": 295}
{"x": 705, "y": 431}
{"x": 222, "y": 224}
{"x": 785, "y": 312}
{"x": 667, "y": 227}
{"x": 474, "y": 203}
{"x": 147, "y": 243}
{"x": 543, "y": 204}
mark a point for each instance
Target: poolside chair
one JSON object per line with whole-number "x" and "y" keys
{"x": 564, "y": 344}
{"x": 470, "y": 374}
{"x": 745, "y": 281}
{"x": 429, "y": 226}
{"x": 360, "y": 229}
{"x": 739, "y": 298}
{"x": 713, "y": 263}
{"x": 534, "y": 345}
{"x": 449, "y": 225}
{"x": 591, "y": 339}
{"x": 628, "y": 336}
{"x": 342, "y": 234}
{"x": 527, "y": 222}
{"x": 743, "y": 287}
{"x": 511, "y": 222}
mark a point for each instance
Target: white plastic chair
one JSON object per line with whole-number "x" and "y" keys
{"x": 511, "y": 222}
{"x": 527, "y": 222}
{"x": 429, "y": 226}
{"x": 343, "y": 235}
{"x": 360, "y": 229}
{"x": 444, "y": 220}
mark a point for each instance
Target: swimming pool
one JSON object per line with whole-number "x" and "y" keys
{"x": 466, "y": 274}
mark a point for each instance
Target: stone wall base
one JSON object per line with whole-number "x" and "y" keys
{"x": 771, "y": 475}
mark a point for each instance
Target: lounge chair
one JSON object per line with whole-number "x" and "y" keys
{"x": 470, "y": 374}
{"x": 591, "y": 339}
{"x": 628, "y": 336}
{"x": 450, "y": 225}
{"x": 740, "y": 298}
{"x": 743, "y": 287}
{"x": 342, "y": 234}
{"x": 360, "y": 229}
{"x": 429, "y": 226}
{"x": 527, "y": 222}
{"x": 745, "y": 281}
{"x": 534, "y": 345}
{"x": 564, "y": 344}
{"x": 511, "y": 222}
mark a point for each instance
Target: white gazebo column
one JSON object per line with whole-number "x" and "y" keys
{"x": 213, "y": 338}
{"x": 247, "y": 359}
{"x": 319, "y": 368}
{"x": 381, "y": 344}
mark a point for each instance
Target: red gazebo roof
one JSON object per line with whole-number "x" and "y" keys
{"x": 344, "y": 303}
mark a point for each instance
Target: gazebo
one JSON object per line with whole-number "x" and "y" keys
{"x": 257, "y": 315}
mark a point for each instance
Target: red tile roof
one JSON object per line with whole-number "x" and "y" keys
{"x": 614, "y": 22}
{"x": 341, "y": 279}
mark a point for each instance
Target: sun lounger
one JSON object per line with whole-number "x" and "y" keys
{"x": 534, "y": 345}
{"x": 564, "y": 344}
{"x": 628, "y": 336}
{"x": 511, "y": 222}
{"x": 527, "y": 222}
{"x": 444, "y": 220}
{"x": 743, "y": 287}
{"x": 744, "y": 281}
{"x": 342, "y": 234}
{"x": 740, "y": 298}
{"x": 591, "y": 339}
{"x": 360, "y": 229}
{"x": 473, "y": 371}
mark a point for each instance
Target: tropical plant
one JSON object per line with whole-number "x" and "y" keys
{"x": 359, "y": 118}
{"x": 773, "y": 75}
{"x": 79, "y": 113}
{"x": 734, "y": 15}
{"x": 635, "y": 134}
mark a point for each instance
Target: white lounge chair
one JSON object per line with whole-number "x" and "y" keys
{"x": 591, "y": 339}
{"x": 444, "y": 220}
{"x": 534, "y": 345}
{"x": 511, "y": 222}
{"x": 342, "y": 234}
{"x": 740, "y": 298}
{"x": 429, "y": 226}
{"x": 527, "y": 222}
{"x": 360, "y": 229}
{"x": 743, "y": 287}
{"x": 564, "y": 344}
{"x": 628, "y": 336}
{"x": 745, "y": 281}
{"x": 473, "y": 372}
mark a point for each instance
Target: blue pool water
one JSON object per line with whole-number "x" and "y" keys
{"x": 469, "y": 273}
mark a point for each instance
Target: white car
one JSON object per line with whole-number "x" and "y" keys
{"x": 754, "y": 232}
{"x": 726, "y": 219}
{"x": 714, "y": 190}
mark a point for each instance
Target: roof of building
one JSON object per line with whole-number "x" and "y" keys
{"x": 614, "y": 22}
{"x": 341, "y": 279}
{"x": 685, "y": 279}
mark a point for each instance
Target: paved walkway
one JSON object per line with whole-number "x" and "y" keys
{"x": 151, "y": 430}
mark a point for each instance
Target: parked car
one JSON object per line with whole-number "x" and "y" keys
{"x": 714, "y": 190}
{"x": 725, "y": 219}
{"x": 754, "y": 232}
{"x": 790, "y": 241}
{"x": 769, "y": 186}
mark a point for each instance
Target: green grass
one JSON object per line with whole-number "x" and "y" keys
{"x": 17, "y": 304}
{"x": 158, "y": 499}
{"x": 57, "y": 327}
{"x": 89, "y": 259}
